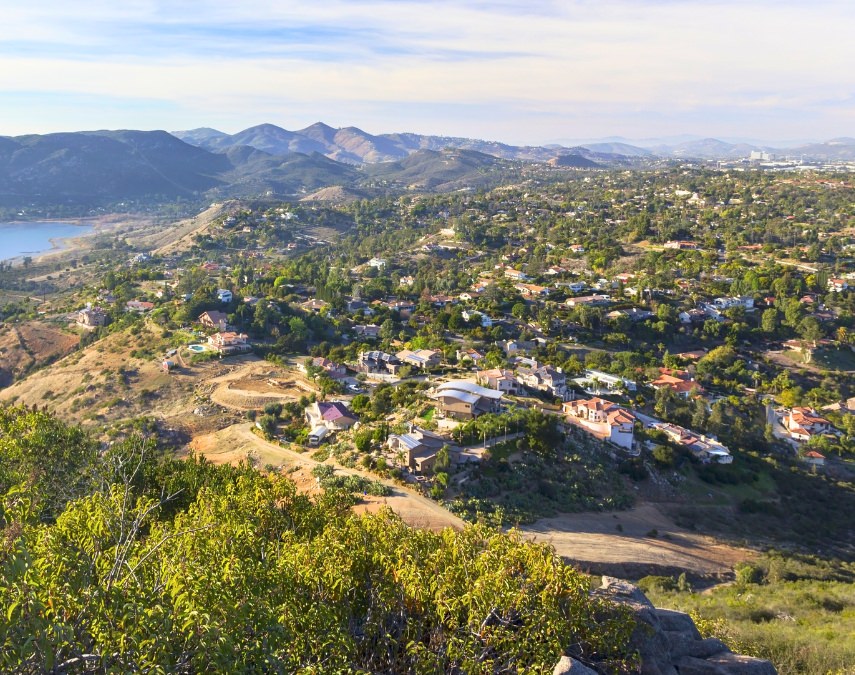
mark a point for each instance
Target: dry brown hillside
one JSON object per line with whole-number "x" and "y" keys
{"x": 29, "y": 345}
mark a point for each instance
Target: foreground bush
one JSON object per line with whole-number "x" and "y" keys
{"x": 252, "y": 576}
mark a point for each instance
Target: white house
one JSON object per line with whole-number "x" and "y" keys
{"x": 606, "y": 420}
{"x": 597, "y": 382}
{"x": 485, "y": 321}
{"x": 224, "y": 295}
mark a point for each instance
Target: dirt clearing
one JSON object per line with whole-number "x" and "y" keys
{"x": 639, "y": 541}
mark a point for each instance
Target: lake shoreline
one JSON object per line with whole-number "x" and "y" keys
{"x": 73, "y": 243}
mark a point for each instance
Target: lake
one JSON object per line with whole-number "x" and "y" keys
{"x": 33, "y": 238}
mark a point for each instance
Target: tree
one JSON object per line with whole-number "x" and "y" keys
{"x": 810, "y": 329}
{"x": 769, "y": 321}
{"x": 443, "y": 459}
{"x": 664, "y": 455}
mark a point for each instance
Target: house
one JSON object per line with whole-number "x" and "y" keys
{"x": 544, "y": 378}
{"x": 601, "y": 418}
{"x": 330, "y": 368}
{"x": 418, "y": 448}
{"x": 679, "y": 381}
{"x": 803, "y": 423}
{"x": 224, "y": 295}
{"x": 138, "y": 306}
{"x": 421, "y": 359}
{"x": 213, "y": 319}
{"x": 591, "y": 300}
{"x": 498, "y": 379}
{"x": 407, "y": 281}
{"x": 577, "y": 248}
{"x": 378, "y": 362}
{"x": 334, "y": 415}
{"x": 515, "y": 275}
{"x": 692, "y": 316}
{"x": 230, "y": 342}
{"x": 404, "y": 307}
{"x": 846, "y": 407}
{"x": 511, "y": 347}
{"x": 837, "y": 285}
{"x": 745, "y": 301}
{"x": 314, "y": 305}
{"x": 440, "y": 300}
{"x": 597, "y": 382}
{"x": 573, "y": 286}
{"x": 634, "y": 314}
{"x": 532, "y": 290}
{"x": 377, "y": 263}
{"x": 92, "y": 317}
{"x": 692, "y": 355}
{"x": 705, "y": 448}
{"x": 472, "y": 354}
{"x": 465, "y": 400}
{"x": 371, "y": 330}
{"x": 682, "y": 245}
{"x": 814, "y": 458}
{"x": 211, "y": 267}
{"x": 484, "y": 320}
{"x": 357, "y": 305}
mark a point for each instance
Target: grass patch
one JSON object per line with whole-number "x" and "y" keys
{"x": 800, "y": 616}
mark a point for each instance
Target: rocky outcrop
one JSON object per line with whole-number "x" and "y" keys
{"x": 668, "y": 642}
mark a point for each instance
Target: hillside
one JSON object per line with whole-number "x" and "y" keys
{"x": 442, "y": 170}
{"x": 104, "y": 167}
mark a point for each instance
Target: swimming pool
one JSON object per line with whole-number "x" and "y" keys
{"x": 196, "y": 348}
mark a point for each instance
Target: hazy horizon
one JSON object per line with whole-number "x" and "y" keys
{"x": 520, "y": 73}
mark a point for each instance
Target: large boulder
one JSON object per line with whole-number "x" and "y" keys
{"x": 668, "y": 642}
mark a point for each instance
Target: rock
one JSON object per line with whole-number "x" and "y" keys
{"x": 570, "y": 666}
{"x": 703, "y": 649}
{"x": 668, "y": 642}
{"x": 735, "y": 664}
{"x": 677, "y": 621}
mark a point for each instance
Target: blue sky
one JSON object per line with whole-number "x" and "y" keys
{"x": 520, "y": 72}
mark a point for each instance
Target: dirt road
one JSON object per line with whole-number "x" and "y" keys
{"x": 591, "y": 540}
{"x": 232, "y": 444}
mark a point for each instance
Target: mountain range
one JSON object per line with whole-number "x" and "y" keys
{"x": 353, "y": 145}
{"x": 87, "y": 169}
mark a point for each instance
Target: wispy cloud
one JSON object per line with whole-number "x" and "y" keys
{"x": 706, "y": 66}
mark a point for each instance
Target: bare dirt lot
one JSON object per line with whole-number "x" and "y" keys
{"x": 255, "y": 384}
{"x": 638, "y": 541}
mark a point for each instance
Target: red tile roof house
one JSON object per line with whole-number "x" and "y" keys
{"x": 230, "y": 343}
{"x": 679, "y": 381}
{"x": 601, "y": 418}
{"x": 814, "y": 458}
{"x": 331, "y": 368}
{"x": 804, "y": 423}
{"x": 331, "y": 414}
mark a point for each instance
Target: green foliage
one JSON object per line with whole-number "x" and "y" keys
{"x": 796, "y": 612}
{"x": 55, "y": 461}
{"x": 176, "y": 566}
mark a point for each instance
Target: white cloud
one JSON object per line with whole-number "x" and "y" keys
{"x": 558, "y": 59}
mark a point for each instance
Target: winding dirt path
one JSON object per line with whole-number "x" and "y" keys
{"x": 622, "y": 543}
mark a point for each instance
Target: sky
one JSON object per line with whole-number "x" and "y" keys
{"x": 532, "y": 72}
